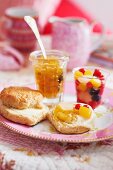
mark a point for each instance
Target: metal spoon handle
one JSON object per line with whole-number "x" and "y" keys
{"x": 32, "y": 24}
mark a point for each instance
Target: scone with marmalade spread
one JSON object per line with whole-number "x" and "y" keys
{"x": 68, "y": 118}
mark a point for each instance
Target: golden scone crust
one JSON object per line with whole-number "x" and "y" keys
{"x": 28, "y": 117}
{"x": 66, "y": 128}
{"x": 21, "y": 97}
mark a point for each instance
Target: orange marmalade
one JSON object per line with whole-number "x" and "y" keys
{"x": 49, "y": 76}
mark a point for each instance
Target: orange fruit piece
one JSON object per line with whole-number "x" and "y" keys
{"x": 85, "y": 112}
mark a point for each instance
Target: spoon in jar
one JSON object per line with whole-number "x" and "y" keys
{"x": 32, "y": 24}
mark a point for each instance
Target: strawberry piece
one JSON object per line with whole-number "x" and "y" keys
{"x": 82, "y": 70}
{"x": 101, "y": 89}
{"x": 102, "y": 77}
{"x": 94, "y": 104}
{"x": 79, "y": 100}
{"x": 89, "y": 85}
{"x": 86, "y": 106}
{"x": 97, "y": 73}
{"x": 77, "y": 82}
{"x": 77, "y": 106}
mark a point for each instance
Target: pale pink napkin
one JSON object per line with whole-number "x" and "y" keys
{"x": 10, "y": 58}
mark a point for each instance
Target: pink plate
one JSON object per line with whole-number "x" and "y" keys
{"x": 44, "y": 130}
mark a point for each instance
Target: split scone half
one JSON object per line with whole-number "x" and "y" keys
{"x": 70, "y": 118}
{"x": 22, "y": 105}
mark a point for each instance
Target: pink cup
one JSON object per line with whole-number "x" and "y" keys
{"x": 73, "y": 35}
{"x": 15, "y": 29}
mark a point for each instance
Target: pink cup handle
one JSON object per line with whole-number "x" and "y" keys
{"x": 98, "y": 41}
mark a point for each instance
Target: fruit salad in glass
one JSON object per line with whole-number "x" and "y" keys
{"x": 90, "y": 84}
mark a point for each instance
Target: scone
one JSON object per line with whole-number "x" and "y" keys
{"x": 30, "y": 116}
{"x": 70, "y": 118}
{"x": 21, "y": 97}
{"x": 22, "y": 105}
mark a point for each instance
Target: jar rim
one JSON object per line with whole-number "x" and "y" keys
{"x": 57, "y": 53}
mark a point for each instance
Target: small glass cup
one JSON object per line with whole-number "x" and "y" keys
{"x": 90, "y": 84}
{"x": 50, "y": 74}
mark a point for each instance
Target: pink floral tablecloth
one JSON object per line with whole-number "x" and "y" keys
{"x": 23, "y": 153}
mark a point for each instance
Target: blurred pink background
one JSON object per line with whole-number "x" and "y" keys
{"x": 47, "y": 8}
{"x": 62, "y": 8}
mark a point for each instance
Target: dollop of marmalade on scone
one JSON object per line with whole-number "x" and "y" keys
{"x": 69, "y": 115}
